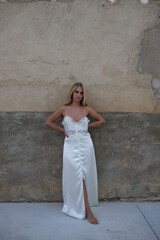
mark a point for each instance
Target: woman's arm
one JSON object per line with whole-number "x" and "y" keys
{"x": 99, "y": 119}
{"x": 57, "y": 114}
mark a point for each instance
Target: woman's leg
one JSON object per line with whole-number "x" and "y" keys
{"x": 89, "y": 213}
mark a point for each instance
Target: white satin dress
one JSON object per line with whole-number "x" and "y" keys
{"x": 79, "y": 163}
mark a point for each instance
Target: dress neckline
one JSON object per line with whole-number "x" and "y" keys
{"x": 73, "y": 119}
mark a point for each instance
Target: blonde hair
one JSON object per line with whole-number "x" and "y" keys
{"x": 69, "y": 99}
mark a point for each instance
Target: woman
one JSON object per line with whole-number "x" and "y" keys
{"x": 78, "y": 154}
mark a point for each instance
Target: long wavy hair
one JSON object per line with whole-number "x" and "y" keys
{"x": 69, "y": 99}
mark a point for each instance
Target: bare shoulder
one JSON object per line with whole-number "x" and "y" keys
{"x": 89, "y": 110}
{"x": 59, "y": 112}
{"x": 92, "y": 112}
{"x": 62, "y": 109}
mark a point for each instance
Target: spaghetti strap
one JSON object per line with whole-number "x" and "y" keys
{"x": 84, "y": 112}
{"x": 65, "y": 110}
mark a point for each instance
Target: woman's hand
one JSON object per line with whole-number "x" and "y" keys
{"x": 65, "y": 134}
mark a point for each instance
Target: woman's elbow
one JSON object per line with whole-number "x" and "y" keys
{"x": 103, "y": 121}
{"x": 47, "y": 123}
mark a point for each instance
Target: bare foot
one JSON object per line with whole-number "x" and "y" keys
{"x": 91, "y": 218}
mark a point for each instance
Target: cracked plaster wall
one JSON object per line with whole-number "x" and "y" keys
{"x": 46, "y": 46}
{"x": 150, "y": 57}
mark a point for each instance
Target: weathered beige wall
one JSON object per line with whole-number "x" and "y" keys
{"x": 46, "y": 46}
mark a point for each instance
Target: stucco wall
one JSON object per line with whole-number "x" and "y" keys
{"x": 45, "y": 46}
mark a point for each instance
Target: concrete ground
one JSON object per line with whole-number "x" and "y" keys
{"x": 45, "y": 221}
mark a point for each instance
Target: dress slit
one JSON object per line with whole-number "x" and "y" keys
{"x": 83, "y": 199}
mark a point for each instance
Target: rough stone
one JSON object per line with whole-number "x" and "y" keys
{"x": 25, "y": 1}
{"x": 127, "y": 154}
{"x": 66, "y": 1}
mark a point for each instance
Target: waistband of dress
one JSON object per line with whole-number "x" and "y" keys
{"x": 72, "y": 132}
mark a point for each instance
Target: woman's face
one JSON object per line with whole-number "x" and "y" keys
{"x": 78, "y": 94}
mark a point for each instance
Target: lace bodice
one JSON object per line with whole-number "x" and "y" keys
{"x": 75, "y": 128}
